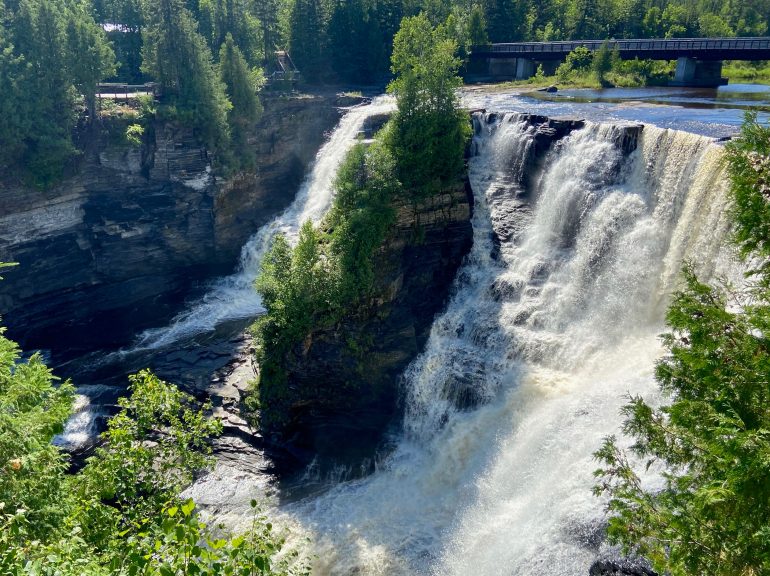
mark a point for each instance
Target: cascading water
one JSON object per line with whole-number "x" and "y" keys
{"x": 234, "y": 297}
{"x": 525, "y": 372}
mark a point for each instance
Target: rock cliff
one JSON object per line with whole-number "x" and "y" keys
{"x": 120, "y": 245}
{"x": 343, "y": 382}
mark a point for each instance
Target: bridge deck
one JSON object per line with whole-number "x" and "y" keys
{"x": 698, "y": 48}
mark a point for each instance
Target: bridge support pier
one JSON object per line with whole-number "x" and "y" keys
{"x": 525, "y": 68}
{"x": 698, "y": 73}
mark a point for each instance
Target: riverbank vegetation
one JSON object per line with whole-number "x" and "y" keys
{"x": 53, "y": 54}
{"x": 330, "y": 272}
{"x": 122, "y": 513}
{"x": 712, "y": 513}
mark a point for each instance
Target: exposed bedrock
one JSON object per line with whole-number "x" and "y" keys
{"x": 119, "y": 246}
{"x": 343, "y": 383}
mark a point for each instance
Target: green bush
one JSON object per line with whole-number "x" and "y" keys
{"x": 134, "y": 134}
{"x": 578, "y": 62}
{"x": 712, "y": 515}
{"x": 122, "y": 513}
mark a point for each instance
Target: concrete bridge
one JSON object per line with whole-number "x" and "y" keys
{"x": 699, "y": 60}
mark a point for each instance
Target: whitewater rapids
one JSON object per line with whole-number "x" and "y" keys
{"x": 546, "y": 334}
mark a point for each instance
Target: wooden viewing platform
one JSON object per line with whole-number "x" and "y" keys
{"x": 122, "y": 91}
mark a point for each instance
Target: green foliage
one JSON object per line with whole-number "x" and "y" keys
{"x": 177, "y": 56}
{"x": 356, "y": 51}
{"x": 182, "y": 544}
{"x": 121, "y": 515}
{"x": 477, "y": 27}
{"x": 578, "y": 61}
{"x": 712, "y": 515}
{"x": 152, "y": 448}
{"x": 134, "y": 134}
{"x": 32, "y": 411}
{"x": 603, "y": 61}
{"x": 242, "y": 85}
{"x": 429, "y": 130}
{"x": 91, "y": 57}
{"x": 749, "y": 165}
{"x": 307, "y": 39}
{"x": 49, "y": 52}
{"x": 328, "y": 273}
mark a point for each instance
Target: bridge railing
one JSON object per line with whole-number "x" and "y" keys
{"x": 633, "y": 45}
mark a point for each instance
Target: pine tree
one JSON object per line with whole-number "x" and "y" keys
{"x": 429, "y": 130}
{"x": 180, "y": 60}
{"x": 90, "y": 58}
{"x": 306, "y": 39}
{"x": 242, "y": 85}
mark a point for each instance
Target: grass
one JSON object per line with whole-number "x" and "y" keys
{"x": 639, "y": 73}
{"x": 753, "y": 72}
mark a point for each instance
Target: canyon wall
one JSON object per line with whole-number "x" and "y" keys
{"x": 120, "y": 245}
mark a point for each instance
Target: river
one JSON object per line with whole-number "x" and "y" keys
{"x": 551, "y": 325}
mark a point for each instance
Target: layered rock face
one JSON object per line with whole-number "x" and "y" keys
{"x": 343, "y": 382}
{"x": 119, "y": 246}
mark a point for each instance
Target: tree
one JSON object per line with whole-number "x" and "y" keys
{"x": 180, "y": 60}
{"x": 712, "y": 26}
{"x": 429, "y": 131}
{"x": 45, "y": 88}
{"x": 126, "y": 38}
{"x": 90, "y": 58}
{"x": 242, "y": 85}
{"x": 122, "y": 513}
{"x": 477, "y": 27}
{"x": 712, "y": 515}
{"x": 506, "y": 20}
{"x": 306, "y": 38}
{"x": 603, "y": 61}
{"x": 32, "y": 410}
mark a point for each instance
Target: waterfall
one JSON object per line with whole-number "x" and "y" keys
{"x": 233, "y": 297}
{"x": 547, "y": 332}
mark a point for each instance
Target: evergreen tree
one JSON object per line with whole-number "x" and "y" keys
{"x": 126, "y": 38}
{"x": 506, "y": 20}
{"x": 180, "y": 60}
{"x": 477, "y": 27}
{"x": 45, "y": 85}
{"x": 90, "y": 58}
{"x": 349, "y": 46}
{"x": 429, "y": 131}
{"x": 269, "y": 12}
{"x": 306, "y": 40}
{"x": 242, "y": 85}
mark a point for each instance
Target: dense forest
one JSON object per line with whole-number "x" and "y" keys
{"x": 209, "y": 57}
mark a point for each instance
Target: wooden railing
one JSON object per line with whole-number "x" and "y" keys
{"x": 119, "y": 90}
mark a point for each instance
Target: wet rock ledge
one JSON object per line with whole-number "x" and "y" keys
{"x": 120, "y": 245}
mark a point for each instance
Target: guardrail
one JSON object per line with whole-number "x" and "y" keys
{"x": 719, "y": 48}
{"x": 118, "y": 89}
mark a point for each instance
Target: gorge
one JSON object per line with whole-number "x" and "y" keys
{"x": 579, "y": 232}
{"x": 554, "y": 319}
